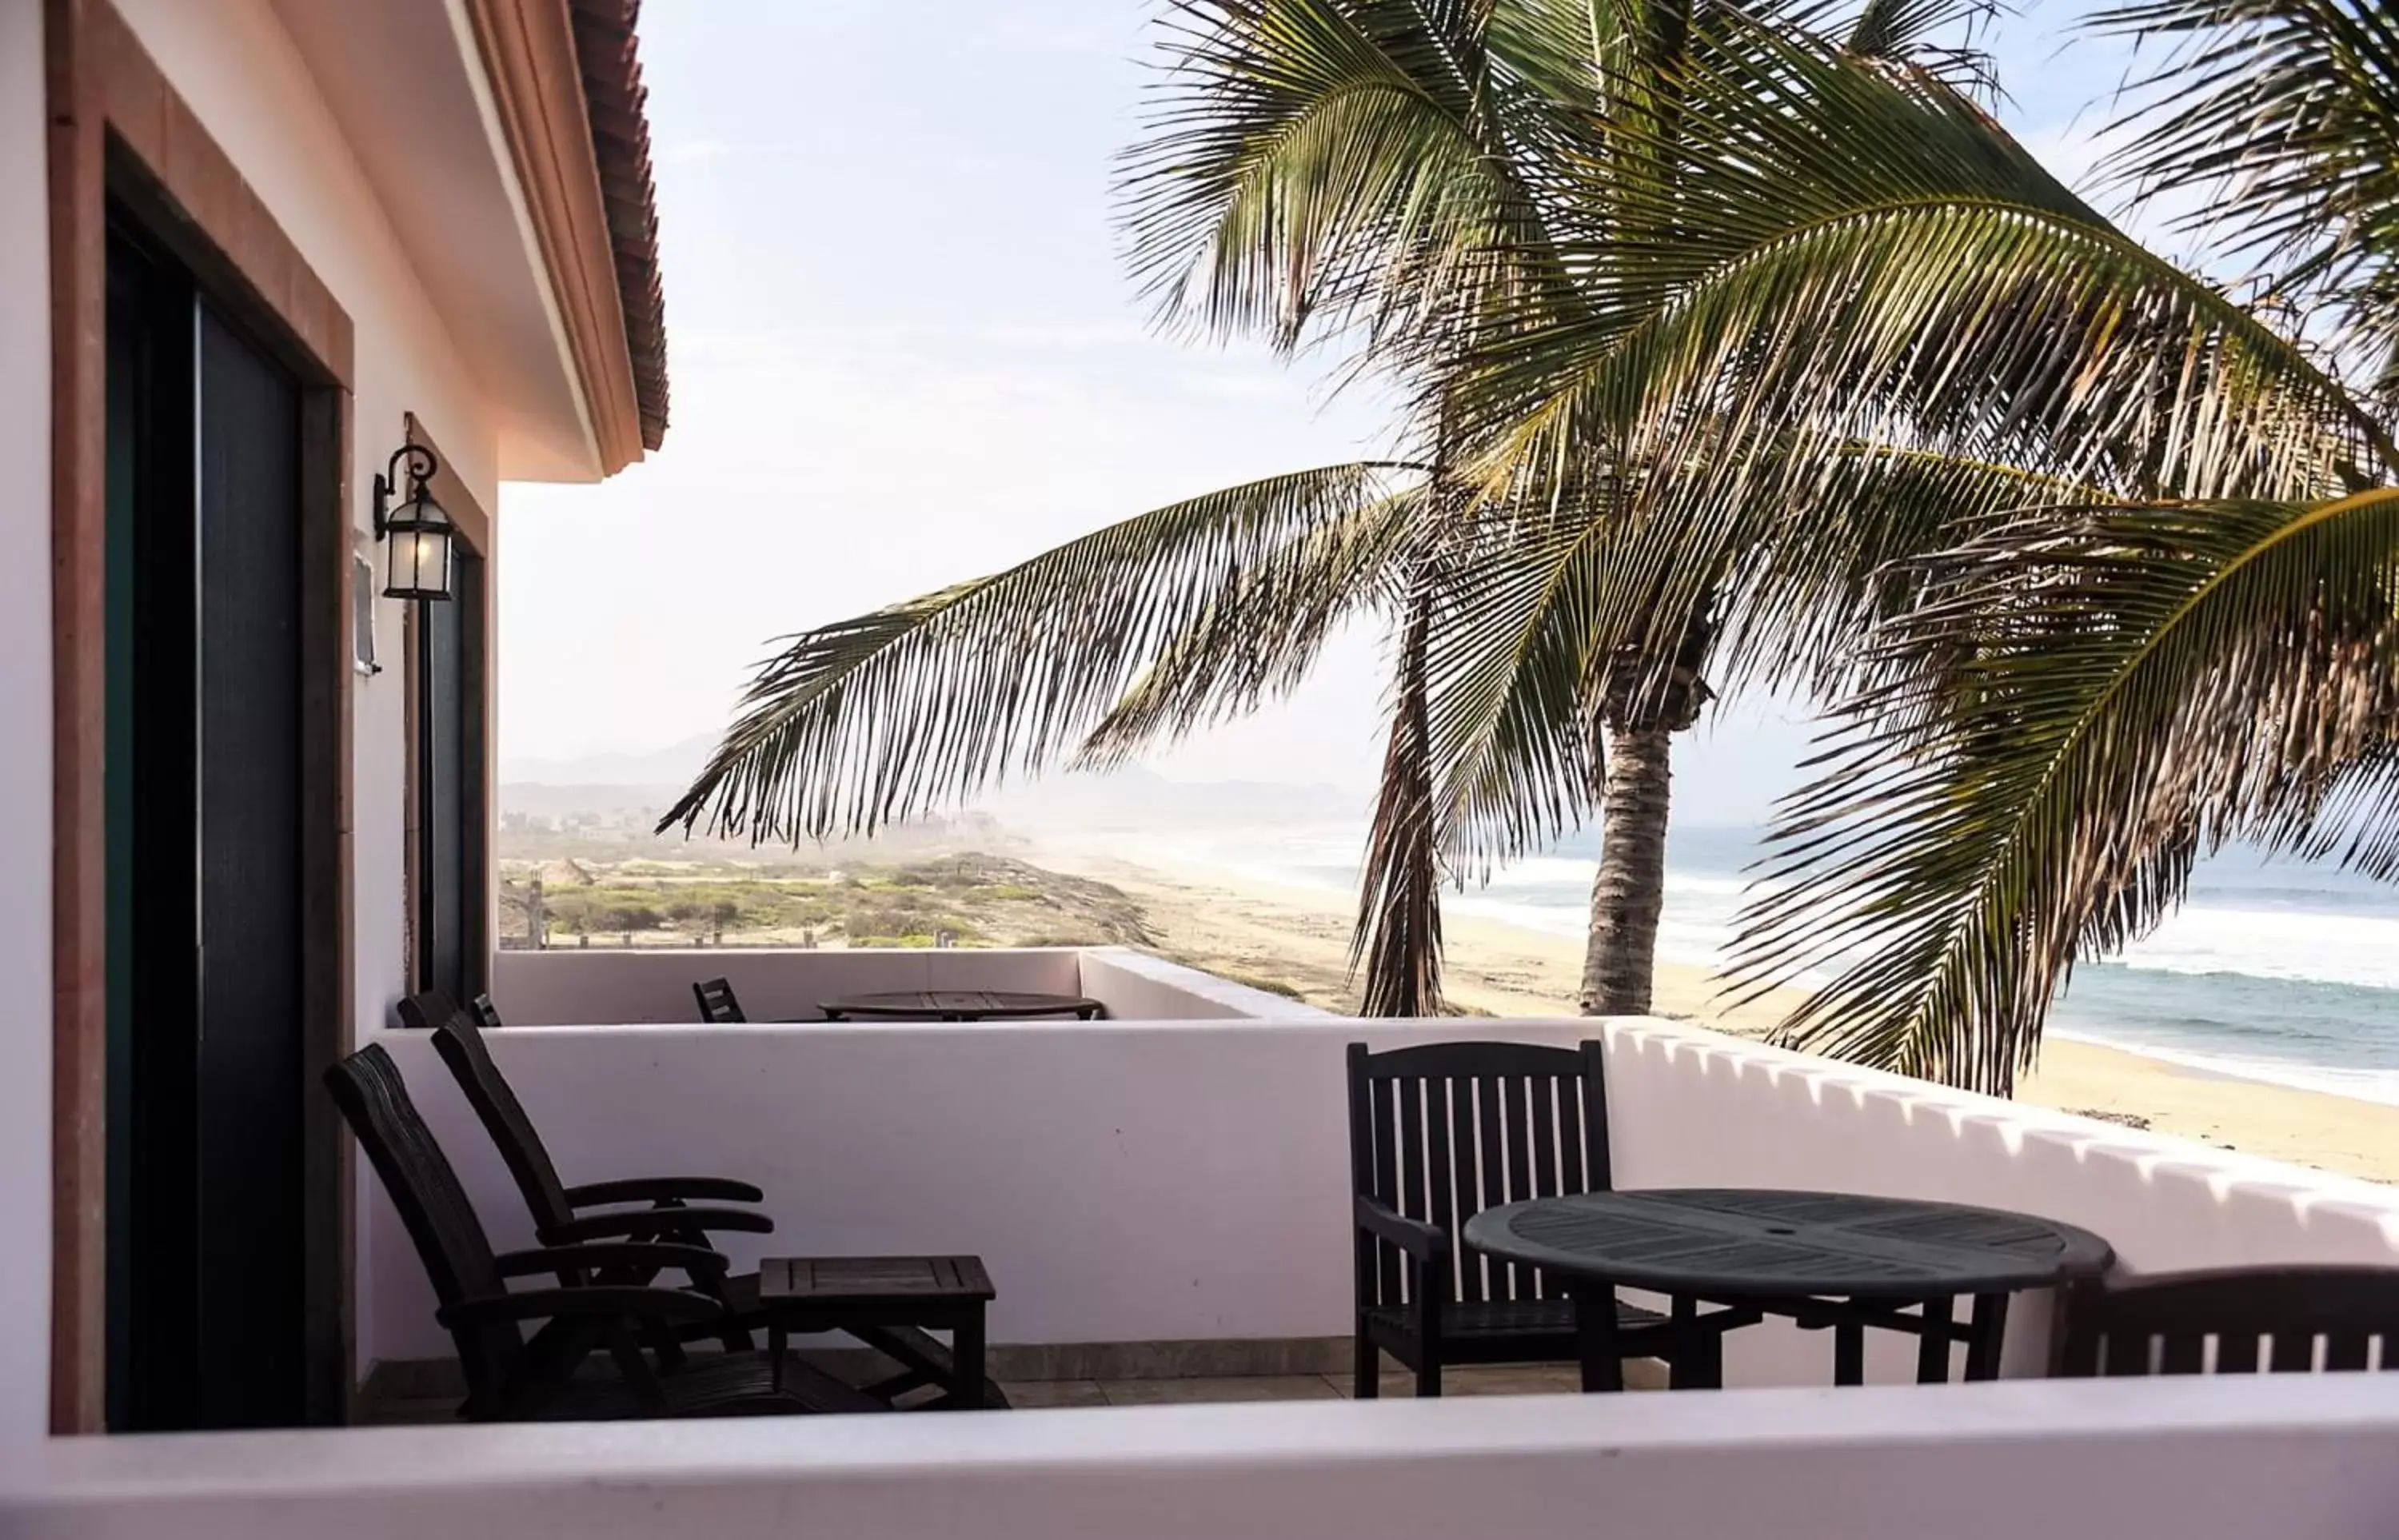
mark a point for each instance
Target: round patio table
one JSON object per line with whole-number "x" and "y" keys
{"x": 958, "y": 1005}
{"x": 1836, "y": 1260}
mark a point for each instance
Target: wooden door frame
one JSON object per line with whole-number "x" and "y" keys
{"x": 120, "y": 133}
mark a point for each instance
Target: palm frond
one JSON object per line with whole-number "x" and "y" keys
{"x": 879, "y": 718}
{"x": 1512, "y": 667}
{"x": 2094, "y": 702}
{"x": 1555, "y": 612}
{"x": 1807, "y": 556}
{"x": 1934, "y": 41}
{"x": 1263, "y": 630}
{"x": 1335, "y": 162}
{"x": 2281, "y": 119}
{"x": 1887, "y": 265}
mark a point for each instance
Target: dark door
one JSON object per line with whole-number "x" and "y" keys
{"x": 252, "y": 1080}
{"x": 450, "y": 780}
{"x": 153, "y": 943}
{"x": 207, "y": 1178}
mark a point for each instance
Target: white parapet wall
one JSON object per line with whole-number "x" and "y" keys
{"x": 580, "y": 986}
{"x": 2284, "y": 1457}
{"x": 1697, "y": 1108}
{"x": 1137, "y": 986}
{"x": 1162, "y": 1181}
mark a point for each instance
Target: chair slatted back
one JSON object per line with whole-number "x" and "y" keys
{"x": 2240, "y": 1321}
{"x": 481, "y": 1011}
{"x": 1446, "y": 1130}
{"x": 433, "y": 1205}
{"x": 427, "y": 1010}
{"x": 717, "y": 1005}
{"x": 460, "y": 1044}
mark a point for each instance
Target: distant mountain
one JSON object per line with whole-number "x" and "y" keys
{"x": 1135, "y": 798}
{"x": 1131, "y": 798}
{"x": 673, "y": 765}
{"x": 553, "y": 801}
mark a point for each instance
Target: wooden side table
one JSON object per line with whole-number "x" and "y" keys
{"x": 839, "y": 1293}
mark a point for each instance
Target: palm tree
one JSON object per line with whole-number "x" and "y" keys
{"x": 1617, "y": 252}
{"x": 1290, "y": 187}
{"x": 2188, "y": 643}
{"x": 1350, "y": 167}
{"x": 2109, "y": 704}
{"x": 1377, "y": 172}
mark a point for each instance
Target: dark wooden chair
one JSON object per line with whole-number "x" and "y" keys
{"x": 1441, "y": 1132}
{"x": 428, "y": 1009}
{"x": 425, "y": 1011}
{"x": 562, "y": 1214}
{"x": 717, "y": 1005}
{"x": 2256, "y": 1318}
{"x": 511, "y": 1377}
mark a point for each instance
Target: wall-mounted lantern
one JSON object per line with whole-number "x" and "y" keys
{"x": 418, "y": 534}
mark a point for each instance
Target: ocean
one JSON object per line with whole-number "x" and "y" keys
{"x": 2272, "y": 970}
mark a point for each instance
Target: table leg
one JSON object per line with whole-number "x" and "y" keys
{"x": 1933, "y": 1345}
{"x": 1603, "y": 1359}
{"x": 1700, "y": 1354}
{"x": 1698, "y": 1361}
{"x": 777, "y": 1336}
{"x": 1849, "y": 1352}
{"x": 967, "y": 1357}
{"x": 1990, "y": 1330}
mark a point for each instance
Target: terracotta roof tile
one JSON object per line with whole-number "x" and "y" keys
{"x": 609, "y": 53}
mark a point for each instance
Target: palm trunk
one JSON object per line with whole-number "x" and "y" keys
{"x": 1630, "y": 887}
{"x": 1398, "y": 936}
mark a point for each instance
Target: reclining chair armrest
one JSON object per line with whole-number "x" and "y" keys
{"x": 664, "y": 1189}
{"x": 1418, "y": 1239}
{"x": 643, "y": 1223}
{"x": 651, "y": 1255}
{"x": 625, "y": 1302}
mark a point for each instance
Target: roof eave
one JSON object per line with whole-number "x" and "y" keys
{"x": 566, "y": 83}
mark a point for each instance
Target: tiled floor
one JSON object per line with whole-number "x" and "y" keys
{"x": 1526, "y": 1380}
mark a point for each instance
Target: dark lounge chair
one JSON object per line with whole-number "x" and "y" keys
{"x": 426, "y": 1010}
{"x": 717, "y": 1005}
{"x": 563, "y": 1214}
{"x": 1439, "y": 1133}
{"x": 591, "y": 1309}
{"x": 2267, "y": 1320}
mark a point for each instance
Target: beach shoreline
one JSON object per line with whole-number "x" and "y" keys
{"x": 1294, "y": 940}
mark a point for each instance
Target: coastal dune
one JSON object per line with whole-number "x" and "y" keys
{"x": 1294, "y": 940}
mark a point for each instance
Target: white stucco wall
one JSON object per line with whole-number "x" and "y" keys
{"x": 244, "y": 79}
{"x": 1147, "y": 1181}
{"x": 577, "y": 986}
{"x": 2281, "y": 1458}
{"x": 1136, "y": 984}
{"x": 25, "y": 748}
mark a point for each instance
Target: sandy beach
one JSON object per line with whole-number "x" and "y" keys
{"x": 1295, "y": 940}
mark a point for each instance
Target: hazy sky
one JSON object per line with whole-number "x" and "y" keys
{"x": 904, "y": 352}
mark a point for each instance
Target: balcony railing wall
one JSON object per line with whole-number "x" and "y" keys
{"x": 1164, "y": 1181}
{"x": 2285, "y": 1456}
{"x": 578, "y": 985}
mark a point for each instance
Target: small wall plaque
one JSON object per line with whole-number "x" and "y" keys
{"x": 363, "y": 608}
